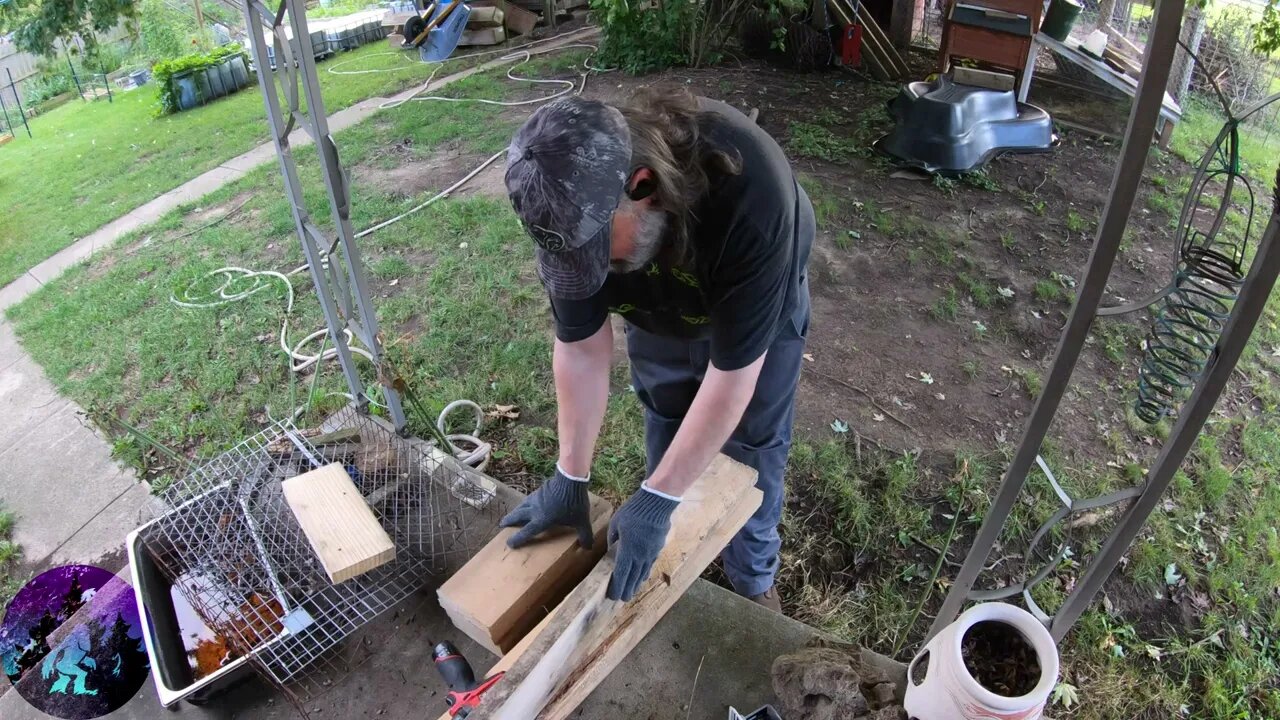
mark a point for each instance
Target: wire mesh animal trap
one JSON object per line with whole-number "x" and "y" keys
{"x": 231, "y": 546}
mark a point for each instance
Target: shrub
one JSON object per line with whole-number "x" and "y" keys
{"x": 641, "y": 39}
{"x": 45, "y": 85}
{"x": 167, "y": 34}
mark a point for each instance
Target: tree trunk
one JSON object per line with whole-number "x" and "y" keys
{"x": 1106, "y": 9}
{"x": 1184, "y": 65}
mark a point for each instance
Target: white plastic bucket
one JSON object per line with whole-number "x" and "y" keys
{"x": 949, "y": 692}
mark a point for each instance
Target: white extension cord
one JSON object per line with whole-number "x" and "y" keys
{"x": 238, "y": 284}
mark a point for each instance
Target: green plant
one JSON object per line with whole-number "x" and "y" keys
{"x": 810, "y": 140}
{"x": 1031, "y": 383}
{"x": 639, "y": 38}
{"x": 1007, "y": 240}
{"x": 971, "y": 368}
{"x": 946, "y": 307}
{"x": 1076, "y": 222}
{"x": 163, "y": 72}
{"x": 982, "y": 180}
{"x": 47, "y": 84}
{"x": 164, "y": 33}
{"x": 1047, "y": 291}
{"x": 945, "y": 184}
{"x": 983, "y": 294}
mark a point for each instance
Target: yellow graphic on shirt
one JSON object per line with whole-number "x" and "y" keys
{"x": 696, "y": 319}
{"x": 622, "y": 309}
{"x": 684, "y": 277}
{"x": 653, "y": 270}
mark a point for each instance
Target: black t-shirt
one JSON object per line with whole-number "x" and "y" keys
{"x": 749, "y": 246}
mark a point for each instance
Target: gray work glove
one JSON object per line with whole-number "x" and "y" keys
{"x": 639, "y": 529}
{"x": 560, "y": 501}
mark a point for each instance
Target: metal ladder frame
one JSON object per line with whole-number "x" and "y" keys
{"x": 343, "y": 291}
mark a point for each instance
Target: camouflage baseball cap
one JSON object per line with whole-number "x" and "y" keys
{"x": 567, "y": 168}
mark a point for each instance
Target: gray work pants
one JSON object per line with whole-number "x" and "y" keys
{"x": 666, "y": 373}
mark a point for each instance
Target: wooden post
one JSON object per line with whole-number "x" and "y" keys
{"x": 199, "y": 15}
{"x": 900, "y": 21}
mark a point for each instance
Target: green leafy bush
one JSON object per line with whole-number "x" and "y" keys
{"x": 165, "y": 34}
{"x": 163, "y": 72}
{"x": 45, "y": 85}
{"x": 639, "y": 38}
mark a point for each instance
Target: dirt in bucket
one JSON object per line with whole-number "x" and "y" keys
{"x": 1000, "y": 658}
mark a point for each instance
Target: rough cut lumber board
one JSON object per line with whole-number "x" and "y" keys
{"x": 484, "y": 16}
{"x": 339, "y": 525}
{"x": 514, "y": 18}
{"x": 890, "y": 57}
{"x": 882, "y": 58}
{"x": 501, "y": 594}
{"x": 1122, "y": 62}
{"x": 869, "y": 58}
{"x": 555, "y": 667}
{"x": 982, "y": 78}
{"x": 1124, "y": 42}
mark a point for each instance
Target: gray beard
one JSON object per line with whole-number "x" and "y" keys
{"x": 651, "y": 229}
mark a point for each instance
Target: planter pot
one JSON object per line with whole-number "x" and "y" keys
{"x": 239, "y": 71}
{"x": 228, "y": 80}
{"x": 214, "y": 82}
{"x": 140, "y": 77}
{"x": 1060, "y": 19}
{"x": 186, "y": 89}
{"x": 949, "y": 692}
{"x": 320, "y": 44}
{"x": 55, "y": 101}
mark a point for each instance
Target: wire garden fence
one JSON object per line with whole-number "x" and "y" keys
{"x": 12, "y": 114}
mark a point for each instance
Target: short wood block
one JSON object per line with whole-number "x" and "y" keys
{"x": 501, "y": 594}
{"x": 340, "y": 526}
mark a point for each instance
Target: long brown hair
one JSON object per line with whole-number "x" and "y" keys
{"x": 667, "y": 139}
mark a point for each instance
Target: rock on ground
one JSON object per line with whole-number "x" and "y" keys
{"x": 834, "y": 681}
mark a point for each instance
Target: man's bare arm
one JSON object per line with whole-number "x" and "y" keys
{"x": 581, "y": 372}
{"x": 715, "y": 412}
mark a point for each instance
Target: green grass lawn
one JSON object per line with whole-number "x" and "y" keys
{"x": 90, "y": 163}
{"x": 1202, "y": 120}
{"x": 10, "y": 557}
{"x": 464, "y": 316}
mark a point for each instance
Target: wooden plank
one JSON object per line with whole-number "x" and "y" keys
{"x": 341, "y": 528}
{"x": 483, "y": 36}
{"x": 982, "y": 78}
{"x": 1122, "y": 62}
{"x": 515, "y": 18}
{"x": 890, "y": 57}
{"x": 484, "y": 16}
{"x": 1124, "y": 42}
{"x": 870, "y": 59}
{"x": 577, "y": 646}
{"x": 501, "y": 594}
{"x": 880, "y": 64}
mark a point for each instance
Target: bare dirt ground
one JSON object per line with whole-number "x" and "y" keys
{"x": 889, "y": 249}
{"x": 937, "y": 308}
